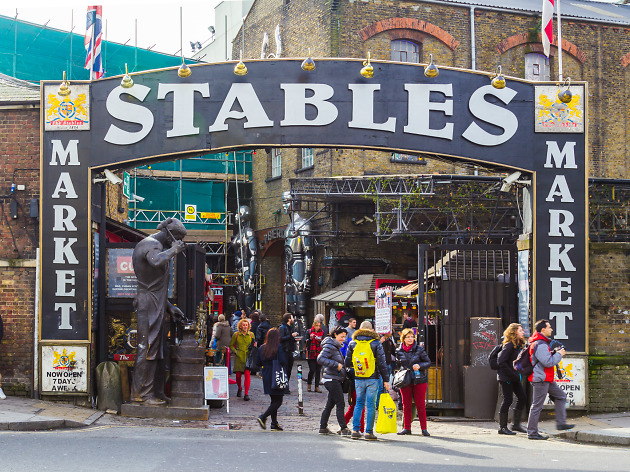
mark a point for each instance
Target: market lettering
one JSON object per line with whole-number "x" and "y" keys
{"x": 63, "y": 221}
{"x": 242, "y": 103}
{"x": 560, "y": 221}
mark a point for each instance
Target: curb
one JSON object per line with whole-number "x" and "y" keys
{"x": 40, "y": 425}
{"x": 595, "y": 438}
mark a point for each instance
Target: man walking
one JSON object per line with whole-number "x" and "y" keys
{"x": 366, "y": 356}
{"x": 544, "y": 360}
{"x": 352, "y": 326}
{"x": 288, "y": 343}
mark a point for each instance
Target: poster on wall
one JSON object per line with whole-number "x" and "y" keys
{"x": 121, "y": 278}
{"x": 383, "y": 310}
{"x": 65, "y": 369}
{"x": 571, "y": 377}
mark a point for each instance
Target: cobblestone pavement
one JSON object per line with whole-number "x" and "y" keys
{"x": 242, "y": 415}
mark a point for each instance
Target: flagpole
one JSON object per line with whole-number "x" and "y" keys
{"x": 559, "y": 43}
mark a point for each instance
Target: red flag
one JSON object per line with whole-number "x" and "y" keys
{"x": 547, "y": 25}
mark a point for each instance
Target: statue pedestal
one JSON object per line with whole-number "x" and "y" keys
{"x": 139, "y": 410}
{"x": 187, "y": 394}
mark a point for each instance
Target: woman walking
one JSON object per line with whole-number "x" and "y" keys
{"x": 269, "y": 352}
{"x": 510, "y": 379}
{"x": 222, "y": 333}
{"x": 240, "y": 346}
{"x": 314, "y": 347}
{"x": 331, "y": 359}
{"x": 410, "y": 355}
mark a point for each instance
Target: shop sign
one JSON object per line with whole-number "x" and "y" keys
{"x": 64, "y": 369}
{"x": 573, "y": 381}
{"x": 216, "y": 383}
{"x": 383, "y": 310}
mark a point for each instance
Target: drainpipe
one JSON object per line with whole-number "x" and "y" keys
{"x": 473, "y": 64}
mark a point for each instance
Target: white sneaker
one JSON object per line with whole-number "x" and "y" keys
{"x": 2, "y": 395}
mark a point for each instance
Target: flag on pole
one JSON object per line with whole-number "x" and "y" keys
{"x": 93, "y": 37}
{"x": 547, "y": 25}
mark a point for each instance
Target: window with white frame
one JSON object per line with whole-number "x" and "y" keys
{"x": 276, "y": 162}
{"x": 405, "y": 51}
{"x": 307, "y": 157}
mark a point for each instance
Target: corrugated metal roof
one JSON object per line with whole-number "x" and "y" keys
{"x": 575, "y": 9}
{"x": 16, "y": 90}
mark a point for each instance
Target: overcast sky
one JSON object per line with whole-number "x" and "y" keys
{"x": 158, "y": 21}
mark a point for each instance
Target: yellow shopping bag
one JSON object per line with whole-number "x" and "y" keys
{"x": 386, "y": 422}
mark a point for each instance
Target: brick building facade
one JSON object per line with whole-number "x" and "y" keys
{"x": 19, "y": 231}
{"x": 596, "y": 49}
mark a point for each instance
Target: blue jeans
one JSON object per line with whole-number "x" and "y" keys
{"x": 367, "y": 390}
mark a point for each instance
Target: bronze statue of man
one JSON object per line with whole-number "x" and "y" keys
{"x": 151, "y": 258}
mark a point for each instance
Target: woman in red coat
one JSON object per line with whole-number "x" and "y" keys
{"x": 313, "y": 348}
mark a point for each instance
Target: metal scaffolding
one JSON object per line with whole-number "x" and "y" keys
{"x": 446, "y": 208}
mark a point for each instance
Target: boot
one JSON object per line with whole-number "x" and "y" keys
{"x": 503, "y": 429}
{"x": 308, "y": 387}
{"x": 516, "y": 426}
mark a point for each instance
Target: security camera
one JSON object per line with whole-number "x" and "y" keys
{"x": 137, "y": 198}
{"x": 509, "y": 180}
{"x": 111, "y": 177}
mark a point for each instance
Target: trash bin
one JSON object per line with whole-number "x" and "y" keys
{"x": 109, "y": 392}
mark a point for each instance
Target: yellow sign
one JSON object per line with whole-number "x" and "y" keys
{"x": 209, "y": 216}
{"x": 190, "y": 213}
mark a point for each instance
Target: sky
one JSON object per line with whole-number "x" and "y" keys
{"x": 158, "y": 21}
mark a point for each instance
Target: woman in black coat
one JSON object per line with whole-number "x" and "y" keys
{"x": 269, "y": 352}
{"x": 334, "y": 373}
{"x": 410, "y": 355}
{"x": 510, "y": 379}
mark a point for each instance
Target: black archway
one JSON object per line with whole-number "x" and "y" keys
{"x": 457, "y": 114}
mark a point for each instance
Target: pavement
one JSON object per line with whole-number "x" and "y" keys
{"x": 26, "y": 414}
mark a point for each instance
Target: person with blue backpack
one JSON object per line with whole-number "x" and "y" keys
{"x": 366, "y": 356}
{"x": 510, "y": 379}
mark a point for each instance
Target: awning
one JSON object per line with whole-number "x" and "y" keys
{"x": 342, "y": 296}
{"x": 357, "y": 290}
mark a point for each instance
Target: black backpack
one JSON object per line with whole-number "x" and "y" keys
{"x": 523, "y": 363}
{"x": 493, "y": 358}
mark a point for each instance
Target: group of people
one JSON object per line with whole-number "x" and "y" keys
{"x": 359, "y": 361}
{"x": 544, "y": 359}
{"x": 332, "y": 359}
{"x": 239, "y": 334}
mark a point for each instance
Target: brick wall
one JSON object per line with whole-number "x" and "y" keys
{"x": 609, "y": 326}
{"x": 19, "y": 239}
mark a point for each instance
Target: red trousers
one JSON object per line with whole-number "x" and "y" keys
{"x": 350, "y": 411}
{"x": 247, "y": 380}
{"x": 418, "y": 392}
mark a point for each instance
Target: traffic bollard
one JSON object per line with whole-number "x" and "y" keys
{"x": 299, "y": 379}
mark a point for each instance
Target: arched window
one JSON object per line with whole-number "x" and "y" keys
{"x": 405, "y": 51}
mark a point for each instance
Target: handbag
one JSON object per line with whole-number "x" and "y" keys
{"x": 386, "y": 422}
{"x": 279, "y": 378}
{"x": 402, "y": 378}
{"x": 250, "y": 362}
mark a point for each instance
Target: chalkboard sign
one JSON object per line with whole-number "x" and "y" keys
{"x": 484, "y": 335}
